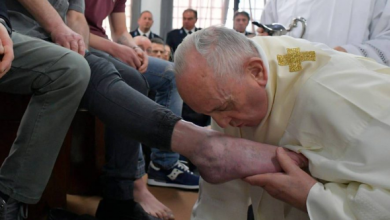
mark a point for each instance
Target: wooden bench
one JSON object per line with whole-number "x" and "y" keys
{"x": 79, "y": 162}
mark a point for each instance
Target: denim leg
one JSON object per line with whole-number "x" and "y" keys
{"x": 56, "y": 78}
{"x": 120, "y": 169}
{"x": 117, "y": 96}
{"x": 161, "y": 79}
{"x": 125, "y": 110}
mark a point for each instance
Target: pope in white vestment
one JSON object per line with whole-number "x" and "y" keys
{"x": 334, "y": 108}
{"x": 361, "y": 27}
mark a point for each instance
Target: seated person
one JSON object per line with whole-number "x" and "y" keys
{"x": 168, "y": 53}
{"x": 145, "y": 23}
{"x": 144, "y": 43}
{"x": 158, "y": 74}
{"x": 330, "y": 106}
{"x": 56, "y": 79}
{"x": 158, "y": 49}
{"x": 240, "y": 23}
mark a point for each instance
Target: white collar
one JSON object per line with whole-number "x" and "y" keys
{"x": 192, "y": 30}
{"x": 142, "y": 33}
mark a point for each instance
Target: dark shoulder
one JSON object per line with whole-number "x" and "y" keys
{"x": 174, "y": 31}
{"x": 158, "y": 36}
{"x": 134, "y": 33}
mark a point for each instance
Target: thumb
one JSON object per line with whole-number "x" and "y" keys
{"x": 258, "y": 180}
{"x": 286, "y": 163}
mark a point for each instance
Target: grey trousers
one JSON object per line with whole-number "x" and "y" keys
{"x": 57, "y": 79}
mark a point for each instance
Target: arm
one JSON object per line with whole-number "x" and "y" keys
{"x": 50, "y": 20}
{"x": 121, "y": 36}
{"x": 377, "y": 46}
{"x": 77, "y": 22}
{"x": 118, "y": 28}
{"x": 124, "y": 53}
{"x": 292, "y": 186}
{"x": 350, "y": 201}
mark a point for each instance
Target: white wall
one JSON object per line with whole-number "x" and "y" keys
{"x": 153, "y": 6}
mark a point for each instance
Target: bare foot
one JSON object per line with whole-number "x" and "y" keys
{"x": 149, "y": 203}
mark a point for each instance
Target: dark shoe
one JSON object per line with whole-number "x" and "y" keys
{"x": 61, "y": 214}
{"x": 109, "y": 209}
{"x": 179, "y": 176}
{"x": 12, "y": 210}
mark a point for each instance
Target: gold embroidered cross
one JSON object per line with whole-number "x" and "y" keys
{"x": 294, "y": 58}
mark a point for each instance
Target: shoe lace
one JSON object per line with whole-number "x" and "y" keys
{"x": 182, "y": 165}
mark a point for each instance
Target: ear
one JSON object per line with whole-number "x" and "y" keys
{"x": 255, "y": 68}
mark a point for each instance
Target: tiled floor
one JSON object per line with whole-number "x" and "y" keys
{"x": 179, "y": 201}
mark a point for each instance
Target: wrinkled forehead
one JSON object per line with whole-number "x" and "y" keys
{"x": 197, "y": 92}
{"x": 200, "y": 88}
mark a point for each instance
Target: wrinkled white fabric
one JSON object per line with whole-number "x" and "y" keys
{"x": 336, "y": 111}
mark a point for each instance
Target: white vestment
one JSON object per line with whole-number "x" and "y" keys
{"x": 335, "y": 111}
{"x": 362, "y": 27}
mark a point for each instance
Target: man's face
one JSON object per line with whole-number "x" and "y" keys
{"x": 158, "y": 50}
{"x": 145, "y": 22}
{"x": 167, "y": 53}
{"x": 229, "y": 101}
{"x": 189, "y": 20}
{"x": 240, "y": 23}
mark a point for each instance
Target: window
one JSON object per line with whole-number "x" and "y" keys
{"x": 215, "y": 12}
{"x": 210, "y": 12}
{"x": 106, "y": 22}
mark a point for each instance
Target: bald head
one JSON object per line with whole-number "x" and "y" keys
{"x": 224, "y": 50}
{"x": 144, "y": 43}
{"x": 220, "y": 73}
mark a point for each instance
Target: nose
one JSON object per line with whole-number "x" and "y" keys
{"x": 222, "y": 121}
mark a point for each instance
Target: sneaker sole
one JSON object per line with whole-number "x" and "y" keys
{"x": 153, "y": 182}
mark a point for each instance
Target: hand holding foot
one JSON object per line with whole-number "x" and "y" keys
{"x": 220, "y": 158}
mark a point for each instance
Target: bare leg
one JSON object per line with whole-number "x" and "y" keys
{"x": 150, "y": 203}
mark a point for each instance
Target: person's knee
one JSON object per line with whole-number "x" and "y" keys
{"x": 78, "y": 70}
{"x": 137, "y": 81}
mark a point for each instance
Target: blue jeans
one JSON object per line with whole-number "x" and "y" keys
{"x": 117, "y": 96}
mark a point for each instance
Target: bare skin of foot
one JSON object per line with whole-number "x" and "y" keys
{"x": 149, "y": 203}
